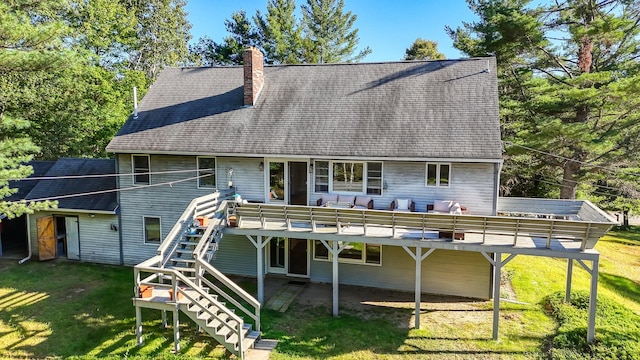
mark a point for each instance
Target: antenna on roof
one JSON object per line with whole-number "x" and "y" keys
{"x": 487, "y": 69}
{"x": 135, "y": 103}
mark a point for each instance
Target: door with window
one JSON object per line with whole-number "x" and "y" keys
{"x": 288, "y": 256}
{"x": 287, "y": 182}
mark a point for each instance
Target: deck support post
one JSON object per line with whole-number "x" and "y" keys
{"x": 419, "y": 258}
{"x": 418, "y": 290}
{"x": 497, "y": 267}
{"x": 138, "y": 325}
{"x": 260, "y": 265}
{"x": 260, "y": 242}
{"x": 176, "y": 330}
{"x": 164, "y": 318}
{"x": 567, "y": 291}
{"x": 593, "y": 299}
{"x": 335, "y": 252}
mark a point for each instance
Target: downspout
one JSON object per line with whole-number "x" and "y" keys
{"x": 28, "y": 242}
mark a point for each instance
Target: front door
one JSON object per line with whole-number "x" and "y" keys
{"x": 288, "y": 256}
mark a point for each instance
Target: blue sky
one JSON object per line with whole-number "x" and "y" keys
{"x": 387, "y": 27}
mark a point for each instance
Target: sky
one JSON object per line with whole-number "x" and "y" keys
{"x": 388, "y": 27}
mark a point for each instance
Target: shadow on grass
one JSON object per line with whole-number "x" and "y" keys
{"x": 630, "y": 236}
{"x": 621, "y": 285}
{"x": 67, "y": 309}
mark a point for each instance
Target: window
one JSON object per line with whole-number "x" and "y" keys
{"x": 438, "y": 174}
{"x": 374, "y": 178}
{"x": 348, "y": 177}
{"x": 151, "y": 230}
{"x": 141, "y": 167}
{"x": 321, "y": 176}
{"x": 357, "y": 253}
{"x": 206, "y": 172}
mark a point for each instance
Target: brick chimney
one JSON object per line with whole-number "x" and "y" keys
{"x": 253, "y": 74}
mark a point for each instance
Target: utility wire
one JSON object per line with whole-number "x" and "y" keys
{"x": 51, "y": 198}
{"x": 109, "y": 175}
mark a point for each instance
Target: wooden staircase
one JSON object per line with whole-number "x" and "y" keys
{"x": 181, "y": 279}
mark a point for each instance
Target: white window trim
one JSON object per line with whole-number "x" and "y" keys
{"x": 144, "y": 236}
{"x": 215, "y": 171}
{"x": 365, "y": 177}
{"x": 133, "y": 169}
{"x": 438, "y": 165}
{"x": 347, "y": 261}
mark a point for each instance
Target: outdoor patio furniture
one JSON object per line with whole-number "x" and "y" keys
{"x": 446, "y": 207}
{"x": 402, "y": 204}
{"x": 355, "y": 201}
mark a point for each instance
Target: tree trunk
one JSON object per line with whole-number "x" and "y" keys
{"x": 569, "y": 184}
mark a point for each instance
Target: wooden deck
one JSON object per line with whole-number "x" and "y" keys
{"x": 534, "y": 235}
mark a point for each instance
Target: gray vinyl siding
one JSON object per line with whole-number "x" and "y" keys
{"x": 169, "y": 201}
{"x": 98, "y": 242}
{"x": 472, "y": 185}
{"x": 236, "y": 255}
{"x": 446, "y": 272}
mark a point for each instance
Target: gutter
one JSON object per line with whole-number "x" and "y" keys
{"x": 28, "y": 243}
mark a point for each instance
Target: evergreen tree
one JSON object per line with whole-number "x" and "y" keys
{"x": 422, "y": 49}
{"x": 31, "y": 42}
{"x": 279, "y": 32}
{"x": 568, "y": 74}
{"x": 329, "y": 35}
{"x": 242, "y": 34}
{"x": 163, "y": 35}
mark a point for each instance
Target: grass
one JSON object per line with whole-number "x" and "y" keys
{"x": 84, "y": 311}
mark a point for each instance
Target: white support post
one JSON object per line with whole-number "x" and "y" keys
{"x": 497, "y": 265}
{"x": 567, "y": 291}
{"x": 335, "y": 253}
{"x": 164, "y": 318}
{"x": 260, "y": 272}
{"x": 593, "y": 299}
{"x": 176, "y": 330}
{"x": 138, "y": 325}
{"x": 418, "y": 289}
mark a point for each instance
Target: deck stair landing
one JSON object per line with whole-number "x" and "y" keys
{"x": 181, "y": 279}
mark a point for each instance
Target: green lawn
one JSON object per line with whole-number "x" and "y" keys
{"x": 74, "y": 310}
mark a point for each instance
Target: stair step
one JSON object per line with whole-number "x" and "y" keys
{"x": 246, "y": 333}
{"x": 250, "y": 339}
{"x": 184, "y": 269}
{"x": 188, "y": 243}
{"x": 184, "y": 251}
{"x": 186, "y": 261}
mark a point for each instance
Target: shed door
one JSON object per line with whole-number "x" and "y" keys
{"x": 73, "y": 239}
{"x": 46, "y": 238}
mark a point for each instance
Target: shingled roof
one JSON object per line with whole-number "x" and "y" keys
{"x": 40, "y": 189}
{"x": 413, "y": 110}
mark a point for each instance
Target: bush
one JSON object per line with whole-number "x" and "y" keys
{"x": 617, "y": 329}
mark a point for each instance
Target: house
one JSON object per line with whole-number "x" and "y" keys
{"x": 81, "y": 227}
{"x": 302, "y": 144}
{"x": 428, "y": 130}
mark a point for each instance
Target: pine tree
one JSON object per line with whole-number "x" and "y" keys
{"x": 568, "y": 76}
{"x": 328, "y": 33}
{"x": 422, "y": 49}
{"x": 280, "y": 33}
{"x": 31, "y": 42}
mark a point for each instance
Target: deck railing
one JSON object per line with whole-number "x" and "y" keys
{"x": 317, "y": 219}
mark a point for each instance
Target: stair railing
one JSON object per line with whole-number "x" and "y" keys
{"x": 199, "y": 206}
{"x": 204, "y": 268}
